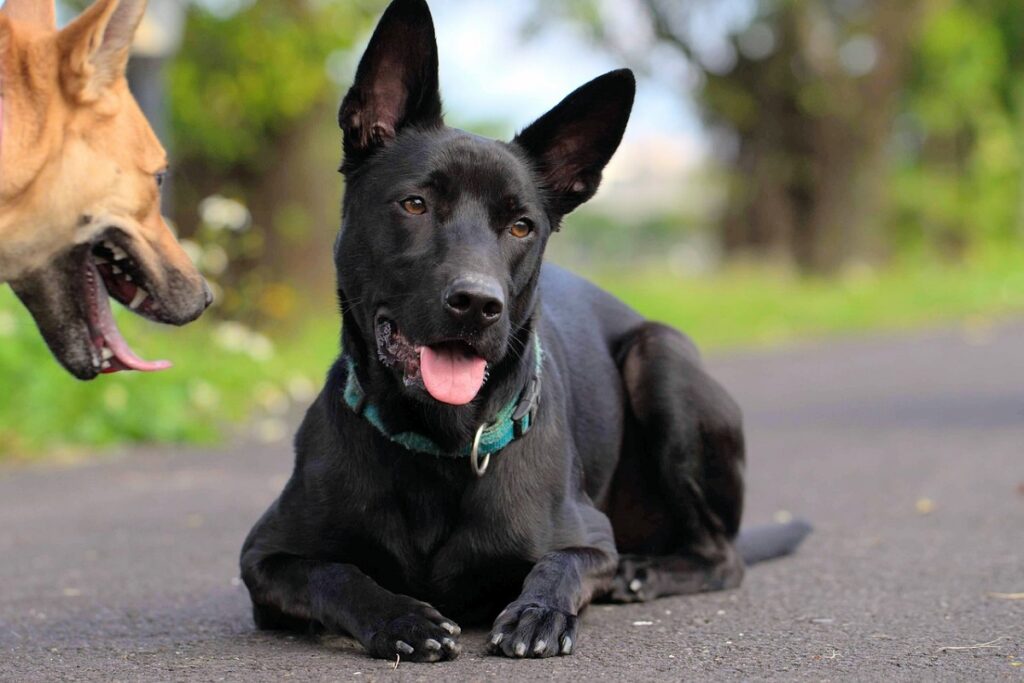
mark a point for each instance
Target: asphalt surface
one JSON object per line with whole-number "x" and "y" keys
{"x": 907, "y": 453}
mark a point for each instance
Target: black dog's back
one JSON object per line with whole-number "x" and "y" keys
{"x": 596, "y": 328}
{"x": 583, "y": 310}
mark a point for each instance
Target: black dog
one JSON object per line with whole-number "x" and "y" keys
{"x": 496, "y": 431}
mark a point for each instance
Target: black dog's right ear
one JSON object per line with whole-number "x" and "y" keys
{"x": 396, "y": 83}
{"x": 571, "y": 144}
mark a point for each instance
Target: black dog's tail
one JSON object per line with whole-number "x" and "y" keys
{"x": 767, "y": 542}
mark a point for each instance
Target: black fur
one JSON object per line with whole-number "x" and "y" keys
{"x": 635, "y": 448}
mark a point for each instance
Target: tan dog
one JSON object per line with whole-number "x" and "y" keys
{"x": 80, "y": 175}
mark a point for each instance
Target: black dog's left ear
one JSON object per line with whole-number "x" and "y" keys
{"x": 396, "y": 83}
{"x": 572, "y": 143}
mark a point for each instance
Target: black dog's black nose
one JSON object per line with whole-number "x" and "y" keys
{"x": 475, "y": 300}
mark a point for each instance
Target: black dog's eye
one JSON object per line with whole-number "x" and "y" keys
{"x": 521, "y": 228}
{"x": 160, "y": 177}
{"x": 414, "y": 205}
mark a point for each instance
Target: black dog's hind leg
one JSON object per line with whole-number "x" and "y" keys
{"x": 543, "y": 620}
{"x": 292, "y": 592}
{"x": 677, "y": 498}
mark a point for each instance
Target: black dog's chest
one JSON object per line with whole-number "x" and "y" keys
{"x": 427, "y": 535}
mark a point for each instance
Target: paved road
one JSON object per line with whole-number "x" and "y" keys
{"x": 907, "y": 452}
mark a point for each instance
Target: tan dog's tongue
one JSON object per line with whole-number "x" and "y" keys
{"x": 103, "y": 324}
{"x": 451, "y": 375}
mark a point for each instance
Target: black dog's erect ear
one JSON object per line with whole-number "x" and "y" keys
{"x": 396, "y": 83}
{"x": 572, "y": 143}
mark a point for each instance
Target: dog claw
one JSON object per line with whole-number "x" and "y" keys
{"x": 451, "y": 628}
{"x": 540, "y": 647}
{"x": 432, "y": 644}
{"x": 448, "y": 643}
{"x": 497, "y": 638}
{"x": 404, "y": 647}
{"x": 520, "y": 649}
{"x": 566, "y": 645}
{"x": 635, "y": 585}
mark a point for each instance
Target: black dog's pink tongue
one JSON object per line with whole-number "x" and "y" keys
{"x": 451, "y": 374}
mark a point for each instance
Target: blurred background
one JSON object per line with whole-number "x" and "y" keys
{"x": 795, "y": 169}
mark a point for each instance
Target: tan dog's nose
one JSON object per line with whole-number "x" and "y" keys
{"x": 208, "y": 293}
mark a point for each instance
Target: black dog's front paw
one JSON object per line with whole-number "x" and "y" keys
{"x": 416, "y": 632}
{"x": 532, "y": 630}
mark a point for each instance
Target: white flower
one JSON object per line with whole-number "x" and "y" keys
{"x": 221, "y": 213}
{"x": 272, "y": 399}
{"x": 8, "y": 324}
{"x": 236, "y": 337}
{"x": 204, "y": 395}
{"x": 302, "y": 389}
{"x": 214, "y": 260}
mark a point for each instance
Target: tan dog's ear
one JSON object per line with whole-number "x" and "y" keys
{"x": 41, "y": 13}
{"x": 95, "y": 46}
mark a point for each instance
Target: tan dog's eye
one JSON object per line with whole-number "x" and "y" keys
{"x": 522, "y": 228}
{"x": 161, "y": 177}
{"x": 414, "y": 205}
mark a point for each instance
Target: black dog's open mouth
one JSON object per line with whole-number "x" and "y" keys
{"x": 451, "y": 371}
{"x": 110, "y": 271}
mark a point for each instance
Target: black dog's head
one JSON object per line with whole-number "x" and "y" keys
{"x": 443, "y": 231}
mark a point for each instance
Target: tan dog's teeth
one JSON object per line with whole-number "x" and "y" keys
{"x": 119, "y": 253}
{"x": 106, "y": 365}
{"x": 140, "y": 296}
{"x": 117, "y": 271}
{"x": 107, "y": 354}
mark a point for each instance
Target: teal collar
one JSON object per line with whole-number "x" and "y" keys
{"x": 511, "y": 422}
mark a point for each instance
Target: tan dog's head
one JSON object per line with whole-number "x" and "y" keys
{"x": 80, "y": 175}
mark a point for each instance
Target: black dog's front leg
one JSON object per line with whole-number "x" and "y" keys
{"x": 543, "y": 620}
{"x": 344, "y": 600}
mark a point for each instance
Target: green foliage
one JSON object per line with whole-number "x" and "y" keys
{"x": 922, "y": 150}
{"x": 743, "y": 308}
{"x": 595, "y": 237}
{"x": 242, "y": 80}
{"x": 960, "y": 179}
{"x": 223, "y": 374}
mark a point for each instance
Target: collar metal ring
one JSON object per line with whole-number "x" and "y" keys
{"x": 479, "y": 466}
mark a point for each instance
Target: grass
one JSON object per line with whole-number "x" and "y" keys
{"x": 228, "y": 375}
{"x": 224, "y": 373}
{"x": 753, "y": 308}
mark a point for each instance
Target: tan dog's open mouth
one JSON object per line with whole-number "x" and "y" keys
{"x": 70, "y": 297}
{"x": 111, "y": 272}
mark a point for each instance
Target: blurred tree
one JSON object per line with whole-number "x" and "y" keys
{"x": 813, "y": 120}
{"x": 960, "y": 141}
{"x": 806, "y": 92}
{"x": 254, "y": 92}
